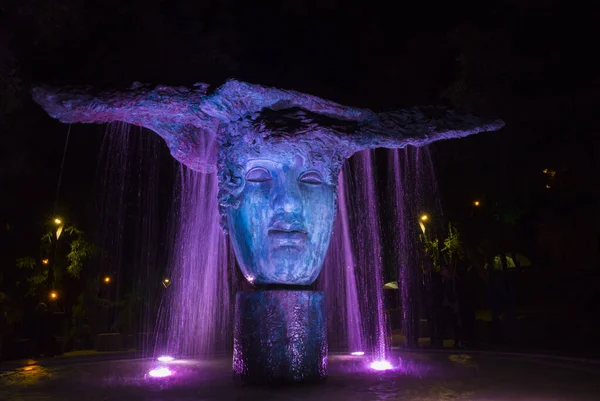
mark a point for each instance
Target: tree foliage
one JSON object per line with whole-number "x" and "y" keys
{"x": 452, "y": 250}
{"x": 63, "y": 250}
{"x": 449, "y": 254}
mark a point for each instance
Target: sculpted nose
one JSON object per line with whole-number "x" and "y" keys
{"x": 288, "y": 199}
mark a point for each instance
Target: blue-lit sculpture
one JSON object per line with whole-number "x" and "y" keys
{"x": 280, "y": 153}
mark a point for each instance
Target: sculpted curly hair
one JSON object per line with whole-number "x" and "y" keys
{"x": 286, "y": 132}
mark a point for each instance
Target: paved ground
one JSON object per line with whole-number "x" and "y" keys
{"x": 417, "y": 377}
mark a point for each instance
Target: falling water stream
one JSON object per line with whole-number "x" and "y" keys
{"x": 199, "y": 308}
{"x": 370, "y": 257}
{"x": 189, "y": 248}
{"x": 130, "y": 207}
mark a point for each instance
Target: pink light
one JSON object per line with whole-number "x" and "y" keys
{"x": 160, "y": 372}
{"x": 165, "y": 358}
{"x": 357, "y": 353}
{"x": 381, "y": 365}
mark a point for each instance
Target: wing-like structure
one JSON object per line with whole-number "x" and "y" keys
{"x": 189, "y": 118}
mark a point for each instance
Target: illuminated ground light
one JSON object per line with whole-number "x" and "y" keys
{"x": 381, "y": 365}
{"x": 165, "y": 358}
{"x": 160, "y": 372}
{"x": 357, "y": 353}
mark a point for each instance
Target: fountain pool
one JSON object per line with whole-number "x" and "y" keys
{"x": 416, "y": 376}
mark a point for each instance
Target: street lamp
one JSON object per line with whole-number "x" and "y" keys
{"x": 53, "y": 295}
{"x": 476, "y": 203}
{"x": 58, "y": 221}
{"x": 45, "y": 261}
{"x": 107, "y": 279}
{"x": 422, "y": 219}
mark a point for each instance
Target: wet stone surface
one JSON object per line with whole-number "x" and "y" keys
{"x": 280, "y": 336}
{"x": 416, "y": 377}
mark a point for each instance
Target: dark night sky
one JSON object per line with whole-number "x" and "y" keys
{"x": 529, "y": 62}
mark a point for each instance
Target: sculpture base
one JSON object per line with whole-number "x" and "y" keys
{"x": 280, "y": 336}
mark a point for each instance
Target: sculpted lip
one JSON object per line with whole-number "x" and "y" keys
{"x": 285, "y": 227}
{"x": 287, "y": 234}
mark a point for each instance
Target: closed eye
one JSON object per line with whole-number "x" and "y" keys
{"x": 311, "y": 177}
{"x": 258, "y": 174}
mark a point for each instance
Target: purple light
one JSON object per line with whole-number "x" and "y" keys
{"x": 357, "y": 353}
{"x": 160, "y": 372}
{"x": 165, "y": 358}
{"x": 381, "y": 365}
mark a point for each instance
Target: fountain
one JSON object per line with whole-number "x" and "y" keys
{"x": 277, "y": 155}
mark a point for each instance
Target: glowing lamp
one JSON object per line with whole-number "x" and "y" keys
{"x": 476, "y": 203}
{"x": 57, "y": 221}
{"x": 45, "y": 261}
{"x": 381, "y": 365}
{"x": 165, "y": 358}
{"x": 357, "y": 353}
{"x": 160, "y": 372}
{"x": 53, "y": 295}
{"x": 107, "y": 279}
{"x": 424, "y": 217}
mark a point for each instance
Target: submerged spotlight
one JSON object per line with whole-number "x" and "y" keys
{"x": 162, "y": 371}
{"x": 165, "y": 358}
{"x": 381, "y": 365}
{"x": 357, "y": 353}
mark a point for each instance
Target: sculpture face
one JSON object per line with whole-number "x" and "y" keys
{"x": 282, "y": 225}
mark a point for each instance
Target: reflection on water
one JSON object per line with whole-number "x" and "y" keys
{"x": 442, "y": 392}
{"x": 384, "y": 390}
{"x": 463, "y": 359}
{"x": 25, "y": 376}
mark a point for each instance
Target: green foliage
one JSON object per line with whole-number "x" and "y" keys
{"x": 36, "y": 274}
{"x": 26, "y": 263}
{"x": 70, "y": 250}
{"x": 452, "y": 250}
{"x": 431, "y": 247}
{"x": 80, "y": 251}
{"x": 450, "y": 253}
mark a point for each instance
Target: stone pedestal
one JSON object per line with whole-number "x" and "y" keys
{"x": 280, "y": 336}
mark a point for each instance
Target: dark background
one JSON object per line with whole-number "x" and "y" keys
{"x": 532, "y": 63}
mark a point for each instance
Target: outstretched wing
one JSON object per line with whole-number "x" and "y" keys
{"x": 171, "y": 112}
{"x": 419, "y": 126}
